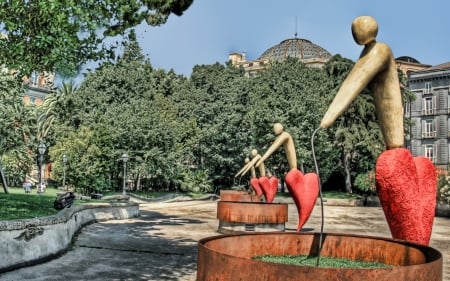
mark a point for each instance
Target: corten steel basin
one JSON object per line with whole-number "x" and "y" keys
{"x": 241, "y": 217}
{"x": 229, "y": 257}
{"x": 238, "y": 196}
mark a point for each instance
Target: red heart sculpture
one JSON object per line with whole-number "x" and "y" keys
{"x": 254, "y": 183}
{"x": 407, "y": 191}
{"x": 269, "y": 188}
{"x": 304, "y": 190}
{"x": 428, "y": 189}
{"x": 272, "y": 192}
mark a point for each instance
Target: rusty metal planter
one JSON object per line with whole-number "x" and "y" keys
{"x": 229, "y": 257}
{"x": 238, "y": 196}
{"x": 239, "y": 217}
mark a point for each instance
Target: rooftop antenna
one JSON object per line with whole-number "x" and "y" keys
{"x": 295, "y": 34}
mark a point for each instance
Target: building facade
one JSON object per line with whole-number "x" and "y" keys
{"x": 430, "y": 114}
{"x": 37, "y": 87}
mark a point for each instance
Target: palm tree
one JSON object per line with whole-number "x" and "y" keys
{"x": 48, "y": 108}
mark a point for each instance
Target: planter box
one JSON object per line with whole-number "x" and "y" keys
{"x": 229, "y": 257}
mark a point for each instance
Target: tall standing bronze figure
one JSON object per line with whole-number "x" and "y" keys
{"x": 406, "y": 185}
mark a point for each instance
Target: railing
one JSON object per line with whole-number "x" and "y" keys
{"x": 428, "y": 135}
{"x": 428, "y": 91}
{"x": 432, "y": 159}
{"x": 431, "y": 111}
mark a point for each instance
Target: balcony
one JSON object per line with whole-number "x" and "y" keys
{"x": 429, "y": 135}
{"x": 431, "y": 111}
{"x": 432, "y": 159}
{"x": 427, "y": 91}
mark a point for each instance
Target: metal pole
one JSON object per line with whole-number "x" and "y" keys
{"x": 124, "y": 177}
{"x": 41, "y": 150}
{"x": 40, "y": 174}
{"x": 64, "y": 172}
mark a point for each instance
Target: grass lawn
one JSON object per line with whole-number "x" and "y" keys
{"x": 20, "y": 205}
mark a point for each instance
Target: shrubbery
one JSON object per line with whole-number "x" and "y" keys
{"x": 443, "y": 192}
{"x": 365, "y": 183}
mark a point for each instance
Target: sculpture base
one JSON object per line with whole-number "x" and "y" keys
{"x": 238, "y": 196}
{"x": 238, "y": 217}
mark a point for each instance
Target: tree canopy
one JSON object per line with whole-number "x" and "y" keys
{"x": 193, "y": 133}
{"x": 61, "y": 35}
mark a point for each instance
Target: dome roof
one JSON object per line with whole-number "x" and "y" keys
{"x": 297, "y": 48}
{"x": 407, "y": 59}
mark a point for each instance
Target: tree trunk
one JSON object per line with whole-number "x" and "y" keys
{"x": 348, "y": 179}
{"x": 138, "y": 182}
{"x": 2, "y": 175}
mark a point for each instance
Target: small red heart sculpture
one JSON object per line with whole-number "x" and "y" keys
{"x": 254, "y": 183}
{"x": 407, "y": 191}
{"x": 304, "y": 190}
{"x": 269, "y": 188}
{"x": 272, "y": 192}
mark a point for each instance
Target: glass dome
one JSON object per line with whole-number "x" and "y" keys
{"x": 296, "y": 47}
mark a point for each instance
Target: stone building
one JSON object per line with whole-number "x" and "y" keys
{"x": 38, "y": 86}
{"x": 306, "y": 51}
{"x": 430, "y": 114}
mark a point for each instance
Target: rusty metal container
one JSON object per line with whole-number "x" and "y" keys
{"x": 240, "y": 217}
{"x": 229, "y": 257}
{"x": 238, "y": 196}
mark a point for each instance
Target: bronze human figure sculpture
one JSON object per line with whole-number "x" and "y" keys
{"x": 406, "y": 185}
{"x": 304, "y": 188}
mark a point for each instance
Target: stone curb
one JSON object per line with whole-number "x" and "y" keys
{"x": 31, "y": 241}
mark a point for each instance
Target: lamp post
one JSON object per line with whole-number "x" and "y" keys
{"x": 41, "y": 150}
{"x": 64, "y": 171}
{"x": 125, "y": 159}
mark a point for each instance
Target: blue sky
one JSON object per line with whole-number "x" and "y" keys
{"x": 211, "y": 29}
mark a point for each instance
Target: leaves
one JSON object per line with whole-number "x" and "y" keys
{"x": 62, "y": 35}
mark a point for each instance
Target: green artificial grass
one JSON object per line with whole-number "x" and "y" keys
{"x": 303, "y": 260}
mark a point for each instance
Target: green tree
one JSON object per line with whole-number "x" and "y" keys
{"x": 17, "y": 129}
{"x": 294, "y": 95}
{"x": 218, "y": 102}
{"x": 124, "y": 107}
{"x": 62, "y": 35}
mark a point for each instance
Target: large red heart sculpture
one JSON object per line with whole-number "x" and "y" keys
{"x": 407, "y": 191}
{"x": 304, "y": 190}
{"x": 254, "y": 183}
{"x": 269, "y": 187}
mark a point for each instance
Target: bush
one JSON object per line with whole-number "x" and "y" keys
{"x": 366, "y": 183}
{"x": 443, "y": 192}
{"x": 196, "y": 181}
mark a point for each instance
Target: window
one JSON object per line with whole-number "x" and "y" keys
{"x": 407, "y": 109}
{"x": 428, "y": 89}
{"x": 428, "y": 129}
{"x": 429, "y": 152}
{"x": 428, "y": 107}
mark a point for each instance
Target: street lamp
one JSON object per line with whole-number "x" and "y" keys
{"x": 41, "y": 150}
{"x": 125, "y": 159}
{"x": 64, "y": 171}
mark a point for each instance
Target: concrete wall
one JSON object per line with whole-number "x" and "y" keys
{"x": 29, "y": 241}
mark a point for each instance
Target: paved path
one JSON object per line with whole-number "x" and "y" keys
{"x": 161, "y": 244}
